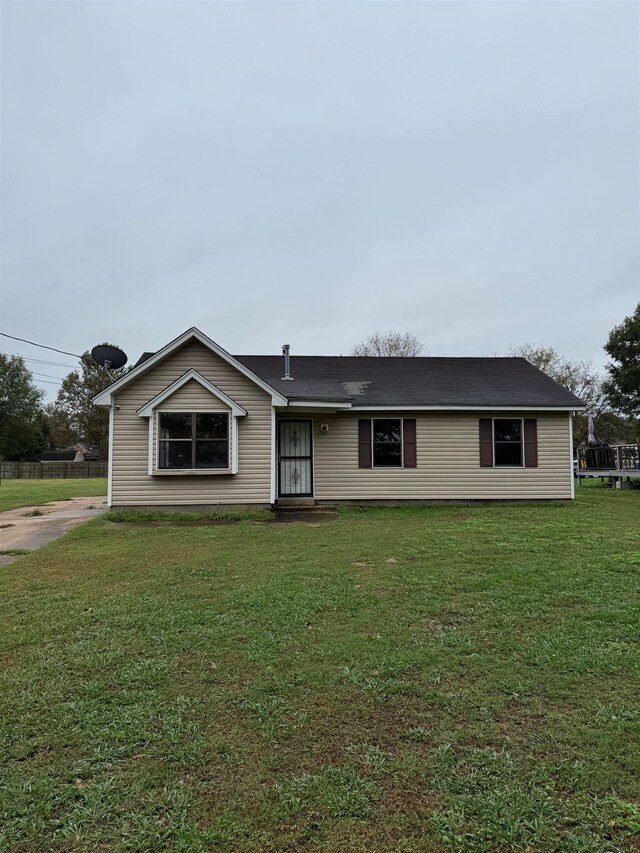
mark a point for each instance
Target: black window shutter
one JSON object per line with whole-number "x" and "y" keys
{"x": 364, "y": 443}
{"x": 530, "y": 443}
{"x": 486, "y": 443}
{"x": 409, "y": 438}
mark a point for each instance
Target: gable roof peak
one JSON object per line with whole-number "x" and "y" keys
{"x": 190, "y": 376}
{"x": 105, "y": 398}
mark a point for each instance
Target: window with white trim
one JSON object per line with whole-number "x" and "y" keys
{"x": 194, "y": 440}
{"x": 387, "y": 442}
{"x": 507, "y": 442}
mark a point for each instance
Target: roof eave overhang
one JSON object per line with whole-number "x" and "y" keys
{"x": 485, "y": 407}
{"x": 105, "y": 398}
{"x": 319, "y": 404}
{"x": 325, "y": 404}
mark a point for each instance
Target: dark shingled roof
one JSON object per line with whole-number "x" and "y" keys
{"x": 366, "y": 381}
{"x": 143, "y": 357}
{"x": 427, "y": 381}
{"x": 58, "y": 456}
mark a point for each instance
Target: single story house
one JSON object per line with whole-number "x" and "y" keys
{"x": 77, "y": 453}
{"x": 61, "y": 456}
{"x": 193, "y": 426}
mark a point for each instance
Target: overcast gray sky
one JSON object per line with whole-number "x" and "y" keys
{"x": 311, "y": 172}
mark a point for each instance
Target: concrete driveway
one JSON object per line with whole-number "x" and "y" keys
{"x": 19, "y": 529}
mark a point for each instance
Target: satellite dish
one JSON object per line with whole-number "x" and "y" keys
{"x": 111, "y": 358}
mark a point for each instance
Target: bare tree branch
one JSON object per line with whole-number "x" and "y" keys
{"x": 580, "y": 377}
{"x": 390, "y": 344}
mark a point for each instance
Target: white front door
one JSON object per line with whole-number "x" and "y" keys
{"x": 295, "y": 465}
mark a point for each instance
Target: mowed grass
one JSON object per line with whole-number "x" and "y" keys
{"x": 414, "y": 679}
{"x": 15, "y": 493}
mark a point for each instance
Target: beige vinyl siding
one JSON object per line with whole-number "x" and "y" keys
{"x": 448, "y": 461}
{"x": 132, "y": 484}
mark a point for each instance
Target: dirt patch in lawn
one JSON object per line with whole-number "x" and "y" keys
{"x": 521, "y": 725}
{"x": 311, "y": 517}
{"x": 380, "y": 723}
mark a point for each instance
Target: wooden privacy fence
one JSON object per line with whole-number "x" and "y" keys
{"x": 51, "y": 470}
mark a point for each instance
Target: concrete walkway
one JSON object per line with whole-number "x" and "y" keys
{"x": 21, "y": 530}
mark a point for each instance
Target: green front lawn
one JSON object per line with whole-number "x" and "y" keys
{"x": 412, "y": 679}
{"x": 15, "y": 493}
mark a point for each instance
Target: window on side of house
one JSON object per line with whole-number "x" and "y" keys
{"x": 193, "y": 440}
{"x": 387, "y": 442}
{"x": 507, "y": 442}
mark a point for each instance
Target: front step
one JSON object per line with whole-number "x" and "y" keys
{"x": 296, "y": 503}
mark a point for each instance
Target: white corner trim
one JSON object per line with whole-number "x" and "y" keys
{"x": 272, "y": 483}
{"x": 234, "y": 445}
{"x": 151, "y": 426}
{"x": 573, "y": 480}
{"x": 105, "y": 398}
{"x": 148, "y": 408}
{"x": 110, "y": 457}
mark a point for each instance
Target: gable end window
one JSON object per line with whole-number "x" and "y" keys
{"x": 193, "y": 440}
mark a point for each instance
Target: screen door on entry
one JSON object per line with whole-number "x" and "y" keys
{"x": 295, "y": 459}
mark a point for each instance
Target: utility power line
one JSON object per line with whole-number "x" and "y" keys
{"x": 42, "y": 346}
{"x": 44, "y": 361}
{"x": 48, "y": 375}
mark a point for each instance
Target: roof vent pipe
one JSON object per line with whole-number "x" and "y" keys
{"x": 285, "y": 353}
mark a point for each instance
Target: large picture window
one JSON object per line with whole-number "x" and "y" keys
{"x": 193, "y": 440}
{"x": 507, "y": 442}
{"x": 387, "y": 442}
